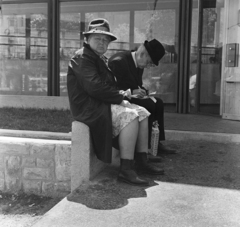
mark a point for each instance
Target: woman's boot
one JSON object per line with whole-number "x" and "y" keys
{"x": 128, "y": 175}
{"x": 143, "y": 166}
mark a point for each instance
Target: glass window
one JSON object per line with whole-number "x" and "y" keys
{"x": 159, "y": 24}
{"x": 23, "y": 49}
{"x": 132, "y": 22}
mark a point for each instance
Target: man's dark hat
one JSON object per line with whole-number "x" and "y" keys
{"x": 99, "y": 26}
{"x": 155, "y": 50}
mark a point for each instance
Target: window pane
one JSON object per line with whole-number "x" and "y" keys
{"x": 23, "y": 49}
{"x": 132, "y": 22}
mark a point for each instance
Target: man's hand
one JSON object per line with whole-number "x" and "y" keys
{"x": 140, "y": 93}
{"x": 126, "y": 93}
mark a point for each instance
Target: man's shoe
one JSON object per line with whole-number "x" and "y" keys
{"x": 128, "y": 175}
{"x": 143, "y": 166}
{"x": 164, "y": 150}
{"x": 152, "y": 158}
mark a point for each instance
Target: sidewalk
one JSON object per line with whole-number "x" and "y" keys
{"x": 201, "y": 123}
{"x": 201, "y": 185}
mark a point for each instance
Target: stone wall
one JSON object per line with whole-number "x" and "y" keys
{"x": 35, "y": 166}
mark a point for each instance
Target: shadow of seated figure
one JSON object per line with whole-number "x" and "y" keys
{"x": 105, "y": 192}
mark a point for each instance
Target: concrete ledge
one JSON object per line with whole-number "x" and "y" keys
{"x": 36, "y": 134}
{"x": 207, "y": 136}
{"x": 84, "y": 163}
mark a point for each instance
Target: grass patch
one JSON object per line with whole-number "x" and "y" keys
{"x": 35, "y": 119}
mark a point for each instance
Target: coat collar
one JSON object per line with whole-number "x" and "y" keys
{"x": 88, "y": 50}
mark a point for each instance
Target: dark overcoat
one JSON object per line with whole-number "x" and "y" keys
{"x": 124, "y": 68}
{"x": 92, "y": 90}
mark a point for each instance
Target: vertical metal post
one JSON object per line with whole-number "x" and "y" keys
{"x": 28, "y": 34}
{"x": 199, "y": 56}
{"x": 131, "y": 28}
{"x": 55, "y": 48}
{"x": 82, "y": 28}
{"x": 184, "y": 47}
{"x": 50, "y": 61}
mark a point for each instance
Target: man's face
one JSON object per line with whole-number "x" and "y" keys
{"x": 145, "y": 61}
{"x": 99, "y": 43}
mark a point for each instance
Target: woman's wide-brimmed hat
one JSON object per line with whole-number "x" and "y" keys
{"x": 99, "y": 26}
{"x": 155, "y": 50}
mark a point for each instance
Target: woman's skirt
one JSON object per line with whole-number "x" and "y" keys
{"x": 122, "y": 116}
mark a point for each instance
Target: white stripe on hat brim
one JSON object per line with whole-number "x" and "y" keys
{"x": 113, "y": 37}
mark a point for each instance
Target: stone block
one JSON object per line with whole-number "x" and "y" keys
{"x": 42, "y": 149}
{"x": 44, "y": 162}
{"x": 38, "y": 173}
{"x": 2, "y": 180}
{"x": 8, "y": 147}
{"x": 13, "y": 173}
{"x": 13, "y": 184}
{"x": 82, "y": 156}
{"x": 2, "y": 185}
{"x": 13, "y": 165}
{"x": 30, "y": 186}
{"x": 63, "y": 162}
{"x": 28, "y": 161}
{"x": 1, "y": 174}
{"x": 63, "y": 187}
{"x": 1, "y": 161}
{"x": 48, "y": 188}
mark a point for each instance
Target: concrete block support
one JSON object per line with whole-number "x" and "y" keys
{"x": 84, "y": 163}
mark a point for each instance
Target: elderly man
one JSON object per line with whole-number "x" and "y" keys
{"x": 128, "y": 69}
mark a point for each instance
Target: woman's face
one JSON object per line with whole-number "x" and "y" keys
{"x": 99, "y": 43}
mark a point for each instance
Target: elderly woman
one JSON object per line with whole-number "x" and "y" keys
{"x": 96, "y": 101}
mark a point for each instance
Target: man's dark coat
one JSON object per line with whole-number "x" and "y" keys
{"x": 92, "y": 90}
{"x": 129, "y": 76}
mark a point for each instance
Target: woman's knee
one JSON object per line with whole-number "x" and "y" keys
{"x": 132, "y": 126}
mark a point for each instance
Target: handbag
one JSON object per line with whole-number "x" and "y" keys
{"x": 154, "y": 139}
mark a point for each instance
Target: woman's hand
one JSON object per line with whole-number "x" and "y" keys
{"x": 125, "y": 103}
{"x": 126, "y": 93}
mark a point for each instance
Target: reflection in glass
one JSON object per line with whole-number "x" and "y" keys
{"x": 160, "y": 25}
{"x": 23, "y": 49}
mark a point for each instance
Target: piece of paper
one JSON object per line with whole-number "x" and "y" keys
{"x": 152, "y": 93}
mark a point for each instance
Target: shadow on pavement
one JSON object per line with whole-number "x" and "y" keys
{"x": 106, "y": 193}
{"x": 200, "y": 163}
{"x": 203, "y": 163}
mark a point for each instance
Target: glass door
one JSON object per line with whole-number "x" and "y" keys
{"x": 206, "y": 56}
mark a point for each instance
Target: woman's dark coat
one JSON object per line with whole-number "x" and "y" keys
{"x": 92, "y": 90}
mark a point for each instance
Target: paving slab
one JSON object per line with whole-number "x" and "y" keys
{"x": 201, "y": 187}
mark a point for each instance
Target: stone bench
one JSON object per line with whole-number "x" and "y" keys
{"x": 84, "y": 163}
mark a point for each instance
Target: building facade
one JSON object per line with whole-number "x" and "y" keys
{"x": 199, "y": 73}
